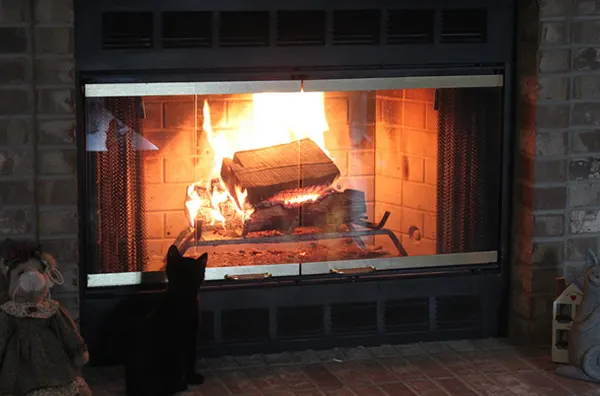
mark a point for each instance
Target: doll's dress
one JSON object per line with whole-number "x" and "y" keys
{"x": 38, "y": 343}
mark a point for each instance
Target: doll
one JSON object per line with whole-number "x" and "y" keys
{"x": 41, "y": 351}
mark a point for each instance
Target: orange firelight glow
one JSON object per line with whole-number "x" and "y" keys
{"x": 276, "y": 118}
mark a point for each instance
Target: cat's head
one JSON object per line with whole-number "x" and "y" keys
{"x": 185, "y": 274}
{"x": 592, "y": 269}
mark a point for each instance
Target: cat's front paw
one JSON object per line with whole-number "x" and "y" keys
{"x": 194, "y": 379}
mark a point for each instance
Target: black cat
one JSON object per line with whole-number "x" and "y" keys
{"x": 161, "y": 349}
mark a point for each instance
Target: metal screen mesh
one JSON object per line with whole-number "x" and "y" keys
{"x": 469, "y": 153}
{"x": 120, "y": 201}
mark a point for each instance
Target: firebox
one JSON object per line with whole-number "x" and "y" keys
{"x": 345, "y": 167}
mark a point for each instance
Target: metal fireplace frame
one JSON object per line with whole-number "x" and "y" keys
{"x": 268, "y": 302}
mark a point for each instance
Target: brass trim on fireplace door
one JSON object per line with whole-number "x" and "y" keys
{"x": 370, "y": 84}
{"x": 185, "y": 88}
{"x": 317, "y": 268}
{"x": 240, "y": 87}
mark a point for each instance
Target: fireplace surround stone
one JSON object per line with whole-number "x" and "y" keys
{"x": 555, "y": 201}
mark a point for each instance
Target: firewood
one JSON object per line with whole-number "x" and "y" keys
{"x": 267, "y": 171}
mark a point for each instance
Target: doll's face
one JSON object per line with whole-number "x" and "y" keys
{"x": 28, "y": 281}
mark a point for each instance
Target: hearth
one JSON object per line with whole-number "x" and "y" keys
{"x": 346, "y": 175}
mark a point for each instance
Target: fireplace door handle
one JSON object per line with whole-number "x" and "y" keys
{"x": 266, "y": 275}
{"x": 353, "y": 271}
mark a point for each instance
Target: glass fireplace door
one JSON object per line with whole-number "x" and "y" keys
{"x": 290, "y": 178}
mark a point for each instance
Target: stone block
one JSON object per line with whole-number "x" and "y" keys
{"x": 179, "y": 170}
{"x": 585, "y": 114}
{"x": 13, "y": 40}
{"x": 549, "y": 198}
{"x": 362, "y": 107}
{"x": 153, "y": 113}
{"x": 16, "y": 221}
{"x": 56, "y": 131}
{"x": 391, "y": 111}
{"x": 55, "y": 71}
{"x": 423, "y": 247}
{"x": 553, "y": 88}
{"x": 581, "y": 141}
{"x": 179, "y": 115}
{"x": 430, "y": 225}
{"x": 551, "y": 144}
{"x": 547, "y": 254}
{"x": 389, "y": 164}
{"x": 419, "y": 143}
{"x": 53, "y": 222}
{"x": 57, "y": 191}
{"x": 584, "y": 221}
{"x": 155, "y": 225}
{"x": 239, "y": 112}
{"x": 14, "y": 12}
{"x": 550, "y": 171}
{"x": 576, "y": 248}
{"x": 54, "y": 40}
{"x": 14, "y": 101}
{"x": 412, "y": 218}
{"x": 554, "y": 8}
{"x": 426, "y": 95}
{"x": 585, "y": 168}
{"x": 432, "y": 119}
{"x": 56, "y": 101}
{"x": 16, "y": 192}
{"x": 63, "y": 249}
{"x": 431, "y": 171}
{"x": 362, "y": 163}
{"x": 16, "y": 163}
{"x": 534, "y": 306}
{"x": 586, "y": 32}
{"x": 13, "y": 71}
{"x": 388, "y": 138}
{"x": 586, "y": 59}
{"x": 337, "y": 111}
{"x": 554, "y": 60}
{"x": 153, "y": 169}
{"x": 413, "y": 169}
{"x": 175, "y": 222}
{"x": 165, "y": 196}
{"x": 15, "y": 132}
{"x": 53, "y": 11}
{"x": 552, "y": 116}
{"x": 585, "y": 7}
{"x": 548, "y": 225}
{"x": 388, "y": 190}
{"x": 57, "y": 162}
{"x": 554, "y": 33}
{"x": 173, "y": 143}
{"x": 419, "y": 196}
{"x": 338, "y": 137}
{"x": 340, "y": 158}
{"x": 584, "y": 195}
{"x": 414, "y": 115}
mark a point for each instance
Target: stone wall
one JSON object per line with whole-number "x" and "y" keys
{"x": 557, "y": 195}
{"x": 38, "y": 186}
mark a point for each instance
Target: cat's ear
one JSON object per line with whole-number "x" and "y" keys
{"x": 591, "y": 260}
{"x": 173, "y": 253}
{"x": 203, "y": 260}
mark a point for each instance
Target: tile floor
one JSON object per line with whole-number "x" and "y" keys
{"x": 465, "y": 368}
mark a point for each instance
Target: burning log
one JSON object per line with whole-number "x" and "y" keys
{"x": 267, "y": 171}
{"x": 328, "y": 213}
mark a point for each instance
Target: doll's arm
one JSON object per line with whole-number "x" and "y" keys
{"x": 67, "y": 332}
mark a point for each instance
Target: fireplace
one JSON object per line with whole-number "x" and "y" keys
{"x": 343, "y": 194}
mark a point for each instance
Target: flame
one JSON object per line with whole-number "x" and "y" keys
{"x": 276, "y": 118}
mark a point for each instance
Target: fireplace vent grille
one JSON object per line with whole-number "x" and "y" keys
{"x": 464, "y": 26}
{"x": 406, "y": 315}
{"x": 186, "y": 29}
{"x": 244, "y": 29}
{"x": 305, "y": 322}
{"x": 354, "y": 318}
{"x": 458, "y": 312}
{"x": 245, "y": 324}
{"x": 356, "y": 27}
{"x": 410, "y": 26}
{"x": 304, "y": 28}
{"x": 127, "y": 30}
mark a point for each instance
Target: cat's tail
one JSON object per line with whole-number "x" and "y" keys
{"x": 573, "y": 373}
{"x": 590, "y": 363}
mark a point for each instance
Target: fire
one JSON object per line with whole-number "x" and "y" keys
{"x": 277, "y": 118}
